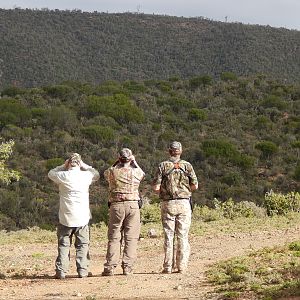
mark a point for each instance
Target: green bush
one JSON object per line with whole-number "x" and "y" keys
{"x": 100, "y": 213}
{"x": 150, "y": 213}
{"x": 97, "y": 133}
{"x": 280, "y": 204}
{"x": 118, "y": 106}
{"x": 229, "y": 209}
{"x": 196, "y": 114}
{"x": 219, "y": 148}
{"x": 59, "y": 91}
{"x": 297, "y": 172}
{"x": 274, "y": 101}
{"x": 267, "y": 148}
{"x": 294, "y": 246}
{"x": 206, "y": 214}
{"x": 198, "y": 81}
{"x": 228, "y": 76}
{"x": 53, "y": 162}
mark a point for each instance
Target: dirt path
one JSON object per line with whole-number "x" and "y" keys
{"x": 35, "y": 281}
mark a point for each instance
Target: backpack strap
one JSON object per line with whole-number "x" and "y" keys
{"x": 176, "y": 166}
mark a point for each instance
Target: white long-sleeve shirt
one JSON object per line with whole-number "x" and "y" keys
{"x": 74, "y": 209}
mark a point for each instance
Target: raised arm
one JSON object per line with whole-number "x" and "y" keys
{"x": 94, "y": 172}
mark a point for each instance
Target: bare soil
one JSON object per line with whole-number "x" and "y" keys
{"x": 29, "y": 269}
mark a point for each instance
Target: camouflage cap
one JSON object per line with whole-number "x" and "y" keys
{"x": 175, "y": 145}
{"x": 75, "y": 159}
{"x": 125, "y": 153}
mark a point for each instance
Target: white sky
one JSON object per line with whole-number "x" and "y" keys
{"x": 276, "y": 13}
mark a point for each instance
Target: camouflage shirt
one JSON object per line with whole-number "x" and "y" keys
{"x": 175, "y": 178}
{"x": 123, "y": 182}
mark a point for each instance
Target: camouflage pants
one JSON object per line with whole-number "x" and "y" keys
{"x": 176, "y": 220}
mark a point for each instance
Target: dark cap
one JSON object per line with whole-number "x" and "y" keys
{"x": 175, "y": 145}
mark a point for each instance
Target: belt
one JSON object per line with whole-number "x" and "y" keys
{"x": 176, "y": 199}
{"x": 122, "y": 201}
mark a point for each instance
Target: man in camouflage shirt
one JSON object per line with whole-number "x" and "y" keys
{"x": 174, "y": 181}
{"x": 124, "y": 178}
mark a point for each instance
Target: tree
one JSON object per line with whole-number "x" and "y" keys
{"x": 7, "y": 175}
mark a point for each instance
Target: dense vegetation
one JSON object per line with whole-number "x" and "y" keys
{"x": 42, "y": 47}
{"x": 268, "y": 274}
{"x": 241, "y": 134}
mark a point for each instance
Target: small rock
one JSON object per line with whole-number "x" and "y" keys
{"x": 152, "y": 233}
{"x": 178, "y": 287}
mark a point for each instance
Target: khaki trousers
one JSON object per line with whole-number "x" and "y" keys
{"x": 82, "y": 241}
{"x": 123, "y": 226}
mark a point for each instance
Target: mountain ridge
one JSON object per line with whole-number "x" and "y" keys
{"x": 41, "y": 47}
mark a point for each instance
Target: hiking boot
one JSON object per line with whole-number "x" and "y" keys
{"x": 84, "y": 275}
{"x": 108, "y": 272}
{"x": 60, "y": 275}
{"x": 166, "y": 271}
{"x": 127, "y": 270}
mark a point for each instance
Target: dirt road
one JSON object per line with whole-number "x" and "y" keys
{"x": 29, "y": 269}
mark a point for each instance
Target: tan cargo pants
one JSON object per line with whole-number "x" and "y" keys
{"x": 123, "y": 226}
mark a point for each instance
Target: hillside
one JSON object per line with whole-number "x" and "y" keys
{"x": 40, "y": 47}
{"x": 242, "y": 134}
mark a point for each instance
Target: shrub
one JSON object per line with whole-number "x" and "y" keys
{"x": 228, "y": 76}
{"x": 294, "y": 246}
{"x": 206, "y": 214}
{"x": 134, "y": 86}
{"x": 229, "y": 209}
{"x": 13, "y": 91}
{"x": 200, "y": 81}
{"x": 59, "y": 91}
{"x": 274, "y": 101}
{"x": 100, "y": 213}
{"x": 53, "y": 162}
{"x": 219, "y": 148}
{"x": 280, "y": 204}
{"x": 297, "y": 172}
{"x": 196, "y": 114}
{"x": 16, "y": 112}
{"x": 150, "y": 213}
{"x": 267, "y": 148}
{"x": 118, "y": 106}
{"x": 97, "y": 133}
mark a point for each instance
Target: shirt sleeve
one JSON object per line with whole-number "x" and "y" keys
{"x": 139, "y": 173}
{"x": 107, "y": 174}
{"x": 95, "y": 174}
{"x": 57, "y": 174}
{"x": 193, "y": 177}
{"x": 158, "y": 176}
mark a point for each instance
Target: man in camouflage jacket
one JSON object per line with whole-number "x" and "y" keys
{"x": 124, "y": 178}
{"x": 174, "y": 181}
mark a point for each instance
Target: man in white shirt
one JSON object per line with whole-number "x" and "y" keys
{"x": 73, "y": 179}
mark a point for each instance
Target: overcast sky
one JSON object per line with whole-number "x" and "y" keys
{"x": 276, "y": 13}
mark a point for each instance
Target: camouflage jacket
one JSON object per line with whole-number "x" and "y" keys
{"x": 123, "y": 182}
{"x": 175, "y": 178}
